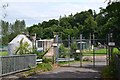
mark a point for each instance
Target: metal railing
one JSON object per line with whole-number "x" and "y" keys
{"x": 16, "y": 63}
{"x": 65, "y": 59}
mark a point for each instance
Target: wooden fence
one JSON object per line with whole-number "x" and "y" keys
{"x": 16, "y": 63}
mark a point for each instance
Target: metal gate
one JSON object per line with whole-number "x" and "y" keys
{"x": 81, "y": 52}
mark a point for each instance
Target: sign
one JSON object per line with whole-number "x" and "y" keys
{"x": 111, "y": 43}
{"x": 77, "y": 51}
{"x": 55, "y": 44}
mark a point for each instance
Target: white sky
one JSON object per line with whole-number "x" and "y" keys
{"x": 35, "y": 11}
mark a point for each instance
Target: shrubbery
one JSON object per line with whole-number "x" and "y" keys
{"x": 110, "y": 71}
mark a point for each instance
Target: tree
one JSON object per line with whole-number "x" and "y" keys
{"x": 48, "y": 33}
{"x": 73, "y": 47}
{"x": 63, "y": 52}
{"x": 24, "y": 48}
{"x": 111, "y": 13}
{"x": 90, "y": 26}
{"x": 5, "y": 27}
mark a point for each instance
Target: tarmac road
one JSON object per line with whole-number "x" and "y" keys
{"x": 74, "y": 71}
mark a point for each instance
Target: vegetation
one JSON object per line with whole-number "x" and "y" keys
{"x": 110, "y": 71}
{"x": 5, "y": 53}
{"x": 40, "y": 55}
{"x": 38, "y": 69}
{"x": 9, "y": 31}
{"x": 24, "y": 48}
{"x": 63, "y": 51}
{"x": 84, "y": 22}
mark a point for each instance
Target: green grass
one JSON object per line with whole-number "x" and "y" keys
{"x": 98, "y": 52}
{"x": 101, "y": 51}
{"x": 91, "y": 54}
{"x": 4, "y": 53}
{"x": 67, "y": 62}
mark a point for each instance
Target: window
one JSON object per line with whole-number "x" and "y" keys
{"x": 39, "y": 43}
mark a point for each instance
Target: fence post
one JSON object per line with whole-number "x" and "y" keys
{"x": 80, "y": 50}
{"x": 69, "y": 50}
{"x": 93, "y": 50}
{"x": 0, "y": 67}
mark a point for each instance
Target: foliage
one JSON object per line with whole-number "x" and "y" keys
{"x": 9, "y": 31}
{"x": 45, "y": 66}
{"x": 84, "y": 22}
{"x": 74, "y": 47}
{"x": 4, "y": 53}
{"x": 47, "y": 60}
{"x": 110, "y": 71}
{"x": 24, "y": 48}
{"x": 39, "y": 54}
{"x": 63, "y": 51}
{"x": 39, "y": 68}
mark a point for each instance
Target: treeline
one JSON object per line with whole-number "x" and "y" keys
{"x": 9, "y": 31}
{"x": 73, "y": 25}
{"x": 85, "y": 22}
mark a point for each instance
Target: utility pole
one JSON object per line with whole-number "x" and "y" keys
{"x": 80, "y": 50}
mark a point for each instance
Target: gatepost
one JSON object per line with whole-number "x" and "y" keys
{"x": 80, "y": 50}
{"x": 0, "y": 67}
{"x": 111, "y": 44}
{"x": 55, "y": 45}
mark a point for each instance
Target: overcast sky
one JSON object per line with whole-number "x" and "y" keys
{"x": 35, "y": 11}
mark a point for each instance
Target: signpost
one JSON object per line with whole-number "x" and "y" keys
{"x": 111, "y": 44}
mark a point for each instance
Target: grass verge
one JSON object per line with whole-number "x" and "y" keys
{"x": 43, "y": 67}
{"x": 5, "y": 53}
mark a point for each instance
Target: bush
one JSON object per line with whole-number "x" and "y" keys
{"x": 47, "y": 60}
{"x": 39, "y": 54}
{"x": 110, "y": 71}
{"x": 45, "y": 66}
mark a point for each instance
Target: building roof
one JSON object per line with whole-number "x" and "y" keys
{"x": 18, "y": 38}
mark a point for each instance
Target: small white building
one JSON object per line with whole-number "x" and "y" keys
{"x": 15, "y": 43}
{"x": 45, "y": 44}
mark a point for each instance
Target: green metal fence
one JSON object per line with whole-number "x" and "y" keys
{"x": 16, "y": 63}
